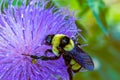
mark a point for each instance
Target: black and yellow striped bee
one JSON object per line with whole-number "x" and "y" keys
{"x": 75, "y": 58}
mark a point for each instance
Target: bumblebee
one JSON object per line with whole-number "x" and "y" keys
{"x": 74, "y": 57}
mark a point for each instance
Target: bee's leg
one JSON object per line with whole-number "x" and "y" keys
{"x": 69, "y": 70}
{"x": 45, "y": 57}
{"x": 35, "y": 57}
{"x": 49, "y": 58}
{"x": 48, "y": 50}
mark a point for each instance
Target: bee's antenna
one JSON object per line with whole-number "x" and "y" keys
{"x": 26, "y": 54}
{"x": 32, "y": 56}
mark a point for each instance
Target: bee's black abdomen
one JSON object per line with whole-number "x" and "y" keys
{"x": 67, "y": 59}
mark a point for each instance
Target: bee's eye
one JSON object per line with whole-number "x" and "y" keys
{"x": 49, "y": 39}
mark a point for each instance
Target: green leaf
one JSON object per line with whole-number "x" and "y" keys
{"x": 97, "y": 7}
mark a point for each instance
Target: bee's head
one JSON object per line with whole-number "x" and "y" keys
{"x": 48, "y": 39}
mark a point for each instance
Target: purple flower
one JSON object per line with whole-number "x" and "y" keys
{"x": 22, "y": 31}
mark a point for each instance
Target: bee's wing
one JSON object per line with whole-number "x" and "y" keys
{"x": 81, "y": 58}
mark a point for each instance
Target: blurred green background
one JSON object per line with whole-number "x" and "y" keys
{"x": 99, "y": 21}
